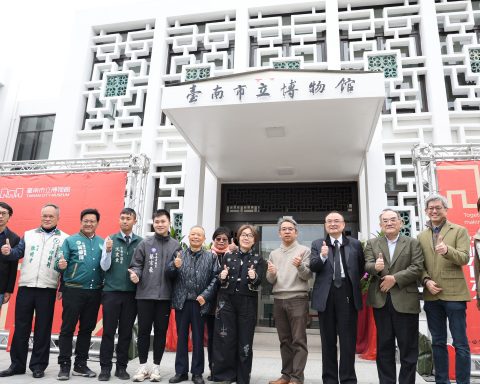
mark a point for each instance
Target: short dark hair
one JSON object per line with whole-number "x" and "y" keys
{"x": 161, "y": 212}
{"x": 222, "y": 231}
{"x": 90, "y": 211}
{"x": 128, "y": 211}
{"x": 7, "y": 207}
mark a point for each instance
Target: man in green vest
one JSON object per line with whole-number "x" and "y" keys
{"x": 79, "y": 263}
{"x": 118, "y": 298}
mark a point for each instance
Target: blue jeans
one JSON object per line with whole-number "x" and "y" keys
{"x": 437, "y": 314}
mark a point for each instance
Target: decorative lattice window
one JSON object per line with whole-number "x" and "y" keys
{"x": 287, "y": 64}
{"x": 474, "y": 59}
{"x": 384, "y": 63}
{"x": 407, "y": 224}
{"x": 116, "y": 85}
{"x": 192, "y": 74}
{"x": 177, "y": 223}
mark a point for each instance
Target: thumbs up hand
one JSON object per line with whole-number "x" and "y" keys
{"x": 297, "y": 260}
{"x": 178, "y": 260}
{"x": 224, "y": 273}
{"x": 62, "y": 263}
{"x": 441, "y": 248}
{"x": 379, "y": 263}
{"x": 324, "y": 250}
{"x": 271, "y": 268}
{"x": 6, "y": 249}
{"x": 133, "y": 276}
{"x": 232, "y": 247}
{"x": 251, "y": 273}
{"x": 108, "y": 244}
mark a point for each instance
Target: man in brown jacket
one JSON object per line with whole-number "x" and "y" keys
{"x": 395, "y": 263}
{"x": 446, "y": 248}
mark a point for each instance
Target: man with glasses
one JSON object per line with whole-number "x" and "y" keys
{"x": 339, "y": 264}
{"x": 79, "y": 263}
{"x": 395, "y": 263}
{"x": 8, "y": 269}
{"x": 446, "y": 248}
{"x": 288, "y": 271}
{"x": 37, "y": 290}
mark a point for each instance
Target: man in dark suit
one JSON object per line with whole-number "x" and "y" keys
{"x": 339, "y": 263}
{"x": 8, "y": 269}
{"x": 395, "y": 263}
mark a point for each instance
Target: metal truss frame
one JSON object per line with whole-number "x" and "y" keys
{"x": 425, "y": 158}
{"x": 136, "y": 166}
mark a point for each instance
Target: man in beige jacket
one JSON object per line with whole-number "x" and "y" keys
{"x": 289, "y": 272}
{"x": 446, "y": 248}
{"x": 395, "y": 263}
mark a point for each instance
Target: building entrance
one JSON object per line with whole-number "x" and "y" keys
{"x": 308, "y": 203}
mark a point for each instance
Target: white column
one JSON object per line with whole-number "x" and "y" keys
{"x": 194, "y": 191}
{"x": 211, "y": 204}
{"x": 363, "y": 202}
{"x": 8, "y": 101}
{"x": 152, "y": 115}
{"x": 71, "y": 105}
{"x": 375, "y": 181}
{"x": 435, "y": 84}
{"x": 333, "y": 34}
{"x": 242, "y": 43}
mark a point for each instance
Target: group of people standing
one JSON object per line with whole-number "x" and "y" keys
{"x": 218, "y": 288}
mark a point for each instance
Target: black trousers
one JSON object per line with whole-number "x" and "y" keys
{"x": 156, "y": 312}
{"x": 188, "y": 317}
{"x": 210, "y": 322}
{"x": 42, "y": 302}
{"x": 404, "y": 327}
{"x": 339, "y": 318}
{"x": 119, "y": 310}
{"x": 232, "y": 343}
{"x": 79, "y": 306}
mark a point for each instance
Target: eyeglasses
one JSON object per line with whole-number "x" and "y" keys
{"x": 221, "y": 239}
{"x": 436, "y": 208}
{"x": 247, "y": 236}
{"x": 336, "y": 221}
{"x": 89, "y": 222}
{"x": 4, "y": 213}
{"x": 287, "y": 229}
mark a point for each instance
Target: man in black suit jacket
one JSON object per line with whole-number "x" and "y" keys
{"x": 339, "y": 264}
{"x": 8, "y": 269}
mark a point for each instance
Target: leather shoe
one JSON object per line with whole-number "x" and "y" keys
{"x": 10, "y": 372}
{"x": 38, "y": 374}
{"x": 122, "y": 373}
{"x": 178, "y": 378}
{"x": 197, "y": 379}
{"x": 280, "y": 380}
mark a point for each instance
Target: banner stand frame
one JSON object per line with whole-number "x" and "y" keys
{"x": 424, "y": 159}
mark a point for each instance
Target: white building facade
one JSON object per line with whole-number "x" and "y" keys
{"x": 120, "y": 59}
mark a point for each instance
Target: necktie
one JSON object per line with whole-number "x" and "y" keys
{"x": 436, "y": 232}
{"x": 337, "y": 280}
{"x": 127, "y": 239}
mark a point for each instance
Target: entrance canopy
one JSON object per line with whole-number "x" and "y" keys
{"x": 279, "y": 125}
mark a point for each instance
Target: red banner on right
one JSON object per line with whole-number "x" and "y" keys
{"x": 459, "y": 181}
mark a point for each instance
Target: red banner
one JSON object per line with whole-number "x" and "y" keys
{"x": 459, "y": 181}
{"x": 72, "y": 192}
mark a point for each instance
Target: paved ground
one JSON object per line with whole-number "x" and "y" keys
{"x": 266, "y": 365}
